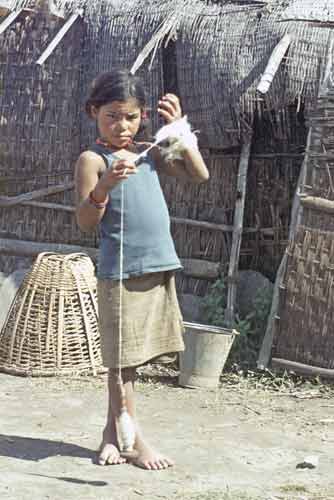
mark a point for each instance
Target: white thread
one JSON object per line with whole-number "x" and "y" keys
{"x": 120, "y": 332}
{"x": 125, "y": 424}
{"x": 180, "y": 130}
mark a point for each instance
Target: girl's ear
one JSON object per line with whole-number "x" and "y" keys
{"x": 94, "y": 112}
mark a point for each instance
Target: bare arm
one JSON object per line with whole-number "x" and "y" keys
{"x": 190, "y": 169}
{"x": 91, "y": 175}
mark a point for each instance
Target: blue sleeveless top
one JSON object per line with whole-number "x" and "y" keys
{"x": 147, "y": 243}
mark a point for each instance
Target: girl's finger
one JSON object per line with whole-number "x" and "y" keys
{"x": 169, "y": 105}
{"x": 129, "y": 164}
{"x": 126, "y": 172}
{"x": 124, "y": 164}
{"x": 168, "y": 116}
{"x": 173, "y": 100}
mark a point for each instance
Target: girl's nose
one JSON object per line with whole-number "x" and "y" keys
{"x": 122, "y": 124}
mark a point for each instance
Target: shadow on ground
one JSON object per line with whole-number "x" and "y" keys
{"x": 72, "y": 480}
{"x": 26, "y": 448}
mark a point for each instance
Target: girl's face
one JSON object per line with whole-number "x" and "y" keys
{"x": 118, "y": 122}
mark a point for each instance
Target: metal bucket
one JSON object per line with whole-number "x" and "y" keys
{"x": 206, "y": 351}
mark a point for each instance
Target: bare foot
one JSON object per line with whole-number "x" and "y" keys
{"x": 108, "y": 453}
{"x": 149, "y": 459}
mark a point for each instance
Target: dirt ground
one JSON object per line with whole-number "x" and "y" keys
{"x": 243, "y": 441}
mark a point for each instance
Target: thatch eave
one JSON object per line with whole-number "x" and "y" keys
{"x": 309, "y": 10}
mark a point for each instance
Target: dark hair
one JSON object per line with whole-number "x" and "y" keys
{"x": 118, "y": 85}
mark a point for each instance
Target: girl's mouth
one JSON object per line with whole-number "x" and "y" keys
{"x": 125, "y": 138}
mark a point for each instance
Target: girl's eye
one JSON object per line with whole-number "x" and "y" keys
{"x": 114, "y": 116}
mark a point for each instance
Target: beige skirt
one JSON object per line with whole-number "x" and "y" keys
{"x": 151, "y": 319}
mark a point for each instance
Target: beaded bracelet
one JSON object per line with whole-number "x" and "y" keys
{"x": 97, "y": 204}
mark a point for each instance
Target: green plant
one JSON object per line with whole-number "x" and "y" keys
{"x": 214, "y": 304}
{"x": 251, "y": 328}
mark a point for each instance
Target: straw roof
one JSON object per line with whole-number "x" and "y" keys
{"x": 321, "y": 10}
{"x": 220, "y": 49}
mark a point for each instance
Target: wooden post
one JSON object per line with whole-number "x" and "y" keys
{"x": 274, "y": 63}
{"x": 237, "y": 230}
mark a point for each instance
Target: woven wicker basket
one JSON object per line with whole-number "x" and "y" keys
{"x": 52, "y": 325}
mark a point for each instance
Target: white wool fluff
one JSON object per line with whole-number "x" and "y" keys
{"x": 127, "y": 431}
{"x": 179, "y": 136}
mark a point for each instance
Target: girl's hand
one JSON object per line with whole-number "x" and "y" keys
{"x": 121, "y": 170}
{"x": 170, "y": 108}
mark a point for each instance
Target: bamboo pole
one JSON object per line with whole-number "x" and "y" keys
{"x": 33, "y": 248}
{"x": 197, "y": 268}
{"x": 237, "y": 230}
{"x": 301, "y": 368}
{"x": 274, "y": 63}
{"x": 315, "y": 203}
{"x": 49, "y": 206}
{"x": 203, "y": 225}
{"x": 10, "y": 201}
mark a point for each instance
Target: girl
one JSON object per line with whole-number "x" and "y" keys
{"x": 151, "y": 320}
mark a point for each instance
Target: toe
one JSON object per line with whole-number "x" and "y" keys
{"x": 103, "y": 455}
{"x": 115, "y": 459}
{"x": 111, "y": 460}
{"x": 101, "y": 460}
{"x": 110, "y": 456}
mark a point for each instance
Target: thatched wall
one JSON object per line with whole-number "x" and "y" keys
{"x": 215, "y": 57}
{"x": 39, "y": 124}
{"x": 305, "y": 329}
